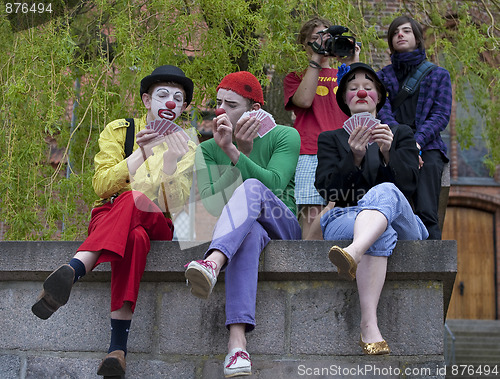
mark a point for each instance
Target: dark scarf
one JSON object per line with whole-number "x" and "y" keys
{"x": 404, "y": 63}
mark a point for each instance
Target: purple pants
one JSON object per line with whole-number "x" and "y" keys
{"x": 252, "y": 217}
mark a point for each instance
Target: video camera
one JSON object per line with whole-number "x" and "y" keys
{"x": 336, "y": 45}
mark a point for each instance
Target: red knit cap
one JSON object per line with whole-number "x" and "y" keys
{"x": 245, "y": 84}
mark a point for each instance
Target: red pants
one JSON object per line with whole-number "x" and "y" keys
{"x": 122, "y": 231}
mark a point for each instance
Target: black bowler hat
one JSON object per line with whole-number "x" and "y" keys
{"x": 343, "y": 84}
{"x": 168, "y": 73}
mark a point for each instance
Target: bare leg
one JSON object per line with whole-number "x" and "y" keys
{"x": 88, "y": 258}
{"x": 370, "y": 278}
{"x": 219, "y": 258}
{"x": 315, "y": 232}
{"x": 368, "y": 227}
{"x": 308, "y": 214}
{"x": 124, "y": 313}
{"x": 237, "y": 337}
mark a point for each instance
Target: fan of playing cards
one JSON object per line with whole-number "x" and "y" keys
{"x": 266, "y": 121}
{"x": 361, "y": 119}
{"x": 165, "y": 127}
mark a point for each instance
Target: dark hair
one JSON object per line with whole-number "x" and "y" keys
{"x": 307, "y": 29}
{"x": 416, "y": 27}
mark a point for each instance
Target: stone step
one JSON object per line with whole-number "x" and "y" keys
{"x": 306, "y": 317}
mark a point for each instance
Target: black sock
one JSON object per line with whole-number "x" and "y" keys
{"x": 79, "y": 268}
{"x": 119, "y": 335}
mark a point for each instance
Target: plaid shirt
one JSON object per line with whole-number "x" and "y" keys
{"x": 433, "y": 106}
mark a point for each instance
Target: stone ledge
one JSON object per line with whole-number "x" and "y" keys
{"x": 280, "y": 261}
{"x": 82, "y": 365}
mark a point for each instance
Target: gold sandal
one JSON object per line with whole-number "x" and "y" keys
{"x": 346, "y": 265}
{"x": 374, "y": 348}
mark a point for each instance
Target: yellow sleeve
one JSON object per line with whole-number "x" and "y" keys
{"x": 111, "y": 171}
{"x": 170, "y": 192}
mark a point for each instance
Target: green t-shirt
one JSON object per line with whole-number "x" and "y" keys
{"x": 272, "y": 161}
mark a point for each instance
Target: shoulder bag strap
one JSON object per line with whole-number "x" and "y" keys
{"x": 130, "y": 137}
{"x": 412, "y": 82}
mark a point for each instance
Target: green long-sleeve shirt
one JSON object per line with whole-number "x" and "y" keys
{"x": 272, "y": 161}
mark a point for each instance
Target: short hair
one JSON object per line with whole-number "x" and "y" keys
{"x": 416, "y": 27}
{"x": 306, "y": 31}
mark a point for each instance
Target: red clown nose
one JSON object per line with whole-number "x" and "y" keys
{"x": 170, "y": 104}
{"x": 219, "y": 111}
{"x": 361, "y": 93}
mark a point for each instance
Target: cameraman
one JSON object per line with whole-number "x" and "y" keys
{"x": 310, "y": 94}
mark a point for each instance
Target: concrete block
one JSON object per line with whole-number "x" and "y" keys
{"x": 271, "y": 333}
{"x": 189, "y": 325}
{"x": 140, "y": 368}
{"x": 416, "y": 308}
{"x": 10, "y": 366}
{"x": 325, "y": 318}
{"x": 269, "y": 367}
{"x": 47, "y": 366}
{"x": 305, "y": 315}
{"x": 83, "y": 324}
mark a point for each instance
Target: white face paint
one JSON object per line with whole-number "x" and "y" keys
{"x": 166, "y": 101}
{"x": 234, "y": 104}
{"x": 361, "y": 94}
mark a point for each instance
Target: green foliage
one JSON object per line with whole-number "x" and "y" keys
{"x": 96, "y": 54}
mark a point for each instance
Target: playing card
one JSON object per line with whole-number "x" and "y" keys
{"x": 174, "y": 128}
{"x": 361, "y": 119}
{"x": 349, "y": 124}
{"x": 161, "y": 126}
{"x": 266, "y": 125}
{"x": 267, "y": 122}
{"x": 164, "y": 127}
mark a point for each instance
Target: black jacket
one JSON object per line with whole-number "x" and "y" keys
{"x": 339, "y": 180}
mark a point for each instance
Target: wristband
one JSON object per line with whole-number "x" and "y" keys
{"x": 314, "y": 64}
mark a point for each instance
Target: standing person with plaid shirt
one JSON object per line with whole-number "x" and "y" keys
{"x": 427, "y": 112}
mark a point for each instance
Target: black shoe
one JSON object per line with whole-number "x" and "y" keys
{"x": 113, "y": 365}
{"x": 56, "y": 291}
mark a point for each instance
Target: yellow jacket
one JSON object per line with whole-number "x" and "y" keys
{"x": 112, "y": 176}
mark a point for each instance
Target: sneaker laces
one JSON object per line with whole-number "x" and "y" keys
{"x": 208, "y": 264}
{"x": 234, "y": 358}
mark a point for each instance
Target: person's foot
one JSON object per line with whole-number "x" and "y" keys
{"x": 55, "y": 293}
{"x": 237, "y": 363}
{"x": 346, "y": 265}
{"x": 374, "y": 348}
{"x": 201, "y": 274}
{"x": 113, "y": 364}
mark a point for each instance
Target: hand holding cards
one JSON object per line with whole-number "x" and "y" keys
{"x": 361, "y": 119}
{"x": 165, "y": 127}
{"x": 267, "y": 122}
